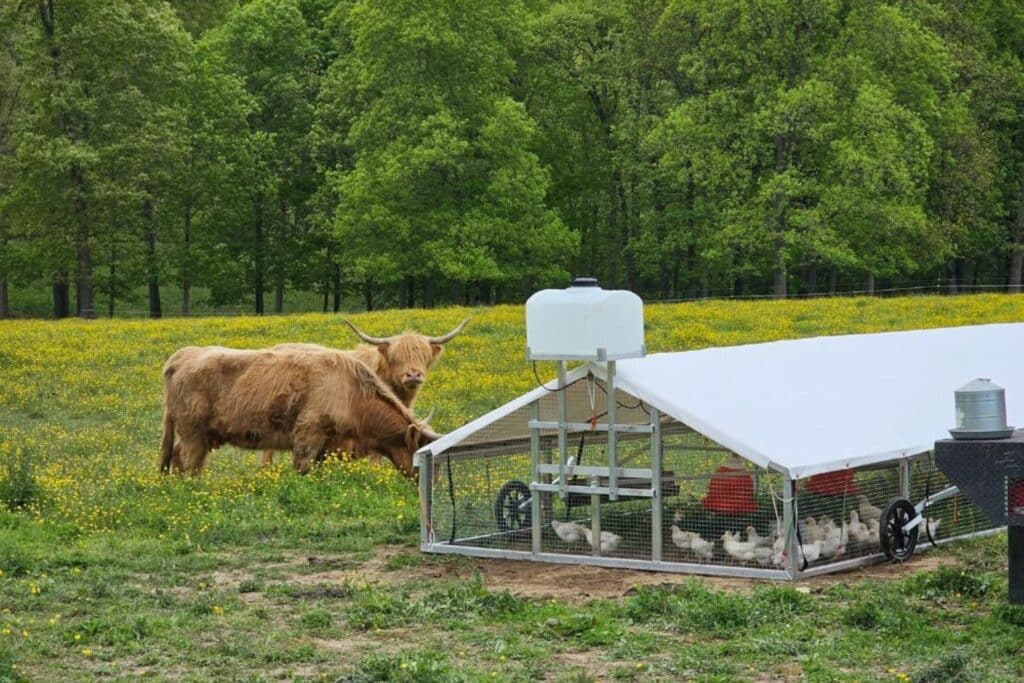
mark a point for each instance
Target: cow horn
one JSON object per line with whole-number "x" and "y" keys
{"x": 365, "y": 337}
{"x": 429, "y": 417}
{"x": 427, "y": 434}
{"x": 444, "y": 339}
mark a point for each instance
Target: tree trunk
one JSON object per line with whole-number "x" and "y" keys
{"x": 85, "y": 299}
{"x": 186, "y": 274}
{"x": 111, "y": 285}
{"x": 278, "y": 267}
{"x": 593, "y": 241}
{"x": 677, "y": 268}
{"x": 61, "y": 295}
{"x": 258, "y": 264}
{"x": 691, "y": 281}
{"x": 956, "y": 275}
{"x": 779, "y": 270}
{"x": 427, "y": 289}
{"x": 871, "y": 283}
{"x": 327, "y": 293}
{"x": 1017, "y": 255}
{"x": 368, "y": 295}
{"x": 632, "y": 272}
{"x": 336, "y": 282}
{"x": 5, "y": 308}
{"x": 152, "y": 276}
{"x": 833, "y": 280}
{"x": 403, "y": 295}
{"x": 812, "y": 277}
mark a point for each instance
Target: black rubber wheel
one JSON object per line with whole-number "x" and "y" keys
{"x": 897, "y": 544}
{"x": 509, "y": 511}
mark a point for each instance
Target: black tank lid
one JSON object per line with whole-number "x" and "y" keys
{"x": 583, "y": 282}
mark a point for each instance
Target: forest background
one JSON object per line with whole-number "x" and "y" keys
{"x": 175, "y": 157}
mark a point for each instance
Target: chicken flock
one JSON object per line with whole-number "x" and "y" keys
{"x": 819, "y": 538}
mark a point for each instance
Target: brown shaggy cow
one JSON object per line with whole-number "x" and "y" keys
{"x": 401, "y": 360}
{"x": 306, "y": 399}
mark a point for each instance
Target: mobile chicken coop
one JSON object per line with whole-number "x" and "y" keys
{"x": 776, "y": 460}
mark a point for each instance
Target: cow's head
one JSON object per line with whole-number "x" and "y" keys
{"x": 408, "y": 356}
{"x": 417, "y": 435}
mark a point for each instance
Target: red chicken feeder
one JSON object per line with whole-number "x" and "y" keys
{"x": 730, "y": 491}
{"x": 838, "y": 483}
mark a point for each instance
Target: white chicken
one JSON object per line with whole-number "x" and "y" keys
{"x": 933, "y": 526}
{"x": 813, "y": 532}
{"x": 867, "y": 510}
{"x": 779, "y": 545}
{"x": 609, "y": 541}
{"x": 763, "y": 555}
{"x": 741, "y": 550}
{"x": 755, "y": 538}
{"x": 681, "y": 538}
{"x": 570, "y": 532}
{"x": 834, "y": 544}
{"x": 811, "y": 551}
{"x": 701, "y": 547}
{"x": 857, "y": 529}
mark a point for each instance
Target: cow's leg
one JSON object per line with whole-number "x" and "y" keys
{"x": 268, "y": 458}
{"x": 190, "y": 455}
{"x": 177, "y": 463}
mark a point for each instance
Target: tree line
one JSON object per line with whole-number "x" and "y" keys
{"x": 471, "y": 151}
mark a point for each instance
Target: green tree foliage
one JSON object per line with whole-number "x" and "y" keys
{"x": 440, "y": 180}
{"x": 411, "y": 153}
{"x": 268, "y": 45}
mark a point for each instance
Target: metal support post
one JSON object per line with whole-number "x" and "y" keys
{"x": 613, "y": 477}
{"x": 1015, "y": 568}
{"x": 426, "y": 506}
{"x": 535, "y": 514}
{"x": 789, "y": 522}
{"x": 563, "y": 451}
{"x": 905, "y": 478}
{"x": 657, "y": 502}
{"x": 595, "y": 518}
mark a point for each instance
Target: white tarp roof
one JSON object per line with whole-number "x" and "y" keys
{"x": 807, "y": 406}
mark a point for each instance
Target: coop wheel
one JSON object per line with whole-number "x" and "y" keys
{"x": 898, "y": 544}
{"x": 512, "y": 509}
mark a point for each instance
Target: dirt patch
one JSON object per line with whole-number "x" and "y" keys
{"x": 327, "y": 576}
{"x": 577, "y": 583}
{"x": 386, "y": 641}
{"x": 321, "y": 592}
{"x": 589, "y": 662}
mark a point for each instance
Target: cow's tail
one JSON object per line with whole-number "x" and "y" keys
{"x": 167, "y": 443}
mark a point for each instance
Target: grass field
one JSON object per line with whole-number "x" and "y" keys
{"x": 112, "y": 572}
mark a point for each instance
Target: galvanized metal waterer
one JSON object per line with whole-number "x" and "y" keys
{"x": 981, "y": 411}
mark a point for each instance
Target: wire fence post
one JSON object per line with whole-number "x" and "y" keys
{"x": 657, "y": 503}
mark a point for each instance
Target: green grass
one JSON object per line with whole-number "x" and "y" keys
{"x": 113, "y": 572}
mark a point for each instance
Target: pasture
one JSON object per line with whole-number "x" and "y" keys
{"x": 111, "y": 571}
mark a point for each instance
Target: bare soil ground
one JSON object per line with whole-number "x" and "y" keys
{"x": 569, "y": 583}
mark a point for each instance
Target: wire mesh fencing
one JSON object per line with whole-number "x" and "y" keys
{"x": 705, "y": 507}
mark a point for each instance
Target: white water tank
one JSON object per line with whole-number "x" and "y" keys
{"x": 584, "y": 322}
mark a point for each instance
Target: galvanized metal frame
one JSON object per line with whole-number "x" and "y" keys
{"x": 657, "y": 502}
{"x": 614, "y": 562}
{"x": 792, "y": 570}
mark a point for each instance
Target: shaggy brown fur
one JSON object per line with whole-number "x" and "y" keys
{"x": 401, "y": 360}
{"x": 303, "y": 398}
